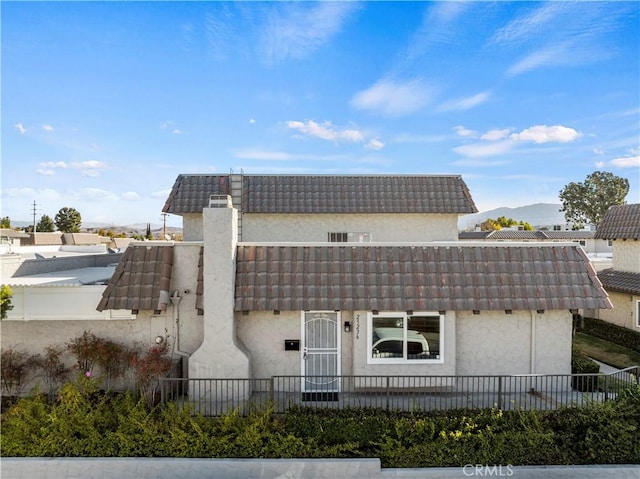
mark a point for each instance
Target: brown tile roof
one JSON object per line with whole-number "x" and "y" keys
{"x": 327, "y": 194}
{"x": 415, "y": 278}
{"x": 190, "y": 193}
{"x": 569, "y": 235}
{"x": 141, "y": 280}
{"x": 522, "y": 235}
{"x": 516, "y": 235}
{"x": 620, "y": 222}
{"x": 620, "y": 281}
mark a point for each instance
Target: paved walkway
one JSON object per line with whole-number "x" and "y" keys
{"x": 165, "y": 468}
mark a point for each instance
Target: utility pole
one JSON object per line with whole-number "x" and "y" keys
{"x": 164, "y": 226}
{"x": 34, "y": 216}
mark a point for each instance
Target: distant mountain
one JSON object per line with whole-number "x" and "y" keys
{"x": 537, "y": 215}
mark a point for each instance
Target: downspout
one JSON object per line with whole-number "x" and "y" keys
{"x": 175, "y": 301}
{"x": 532, "y": 359}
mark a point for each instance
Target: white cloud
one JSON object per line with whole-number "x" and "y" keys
{"x": 44, "y": 172}
{"x": 130, "y": 196}
{"x": 626, "y": 162}
{"x": 467, "y": 103}
{"x": 479, "y": 150}
{"x": 252, "y": 121}
{"x": 89, "y": 168}
{"x": 31, "y": 193}
{"x": 161, "y": 194}
{"x": 295, "y": 30}
{"x": 494, "y": 135}
{"x": 93, "y": 195}
{"x": 599, "y": 164}
{"x": 47, "y": 128}
{"x": 547, "y": 134}
{"x": 598, "y": 151}
{"x": 464, "y": 132}
{"x": 394, "y": 98}
{"x": 20, "y": 127}
{"x": 177, "y": 132}
{"x": 54, "y": 164}
{"x": 553, "y": 55}
{"x": 165, "y": 125}
{"x": 325, "y": 131}
{"x": 375, "y": 144}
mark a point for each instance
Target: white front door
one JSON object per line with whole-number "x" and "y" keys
{"x": 320, "y": 351}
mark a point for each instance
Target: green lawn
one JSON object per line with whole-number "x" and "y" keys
{"x": 605, "y": 351}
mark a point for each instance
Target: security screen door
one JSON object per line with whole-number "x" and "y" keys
{"x": 320, "y": 351}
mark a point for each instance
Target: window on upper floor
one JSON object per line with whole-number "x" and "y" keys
{"x": 338, "y": 237}
{"x": 397, "y": 337}
{"x": 351, "y": 237}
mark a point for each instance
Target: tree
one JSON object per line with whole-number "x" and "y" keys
{"x": 586, "y": 203}
{"x": 5, "y": 222}
{"x": 149, "y": 234}
{"x": 45, "y": 225}
{"x": 68, "y": 220}
{"x": 5, "y": 300}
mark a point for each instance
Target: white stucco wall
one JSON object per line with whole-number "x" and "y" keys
{"x": 626, "y": 255}
{"x": 60, "y": 303}
{"x": 624, "y": 312}
{"x": 34, "y": 336}
{"x": 497, "y": 343}
{"x": 264, "y": 334}
{"x": 383, "y": 227}
{"x": 221, "y": 354}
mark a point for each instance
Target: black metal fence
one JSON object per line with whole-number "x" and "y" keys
{"x": 215, "y": 397}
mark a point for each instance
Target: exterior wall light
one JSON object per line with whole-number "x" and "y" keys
{"x": 347, "y": 327}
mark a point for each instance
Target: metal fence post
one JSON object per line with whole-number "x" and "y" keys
{"x": 606, "y": 388}
{"x": 499, "y": 392}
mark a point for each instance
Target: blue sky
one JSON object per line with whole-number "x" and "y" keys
{"x": 104, "y": 104}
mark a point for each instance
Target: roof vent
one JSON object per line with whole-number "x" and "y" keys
{"x": 220, "y": 201}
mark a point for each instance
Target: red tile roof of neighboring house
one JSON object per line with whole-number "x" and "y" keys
{"x": 620, "y": 281}
{"x": 141, "y": 280}
{"x": 620, "y": 222}
{"x": 327, "y": 194}
{"x": 415, "y": 278}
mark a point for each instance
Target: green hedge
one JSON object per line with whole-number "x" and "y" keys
{"x": 611, "y": 332}
{"x": 84, "y": 423}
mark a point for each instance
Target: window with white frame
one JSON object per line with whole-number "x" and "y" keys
{"x": 399, "y": 337}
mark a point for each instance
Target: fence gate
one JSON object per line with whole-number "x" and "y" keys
{"x": 320, "y": 355}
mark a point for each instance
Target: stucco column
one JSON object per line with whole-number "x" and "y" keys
{"x": 221, "y": 355}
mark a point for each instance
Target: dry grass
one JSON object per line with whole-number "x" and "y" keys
{"x": 605, "y": 351}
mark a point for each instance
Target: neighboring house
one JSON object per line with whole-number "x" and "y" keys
{"x": 590, "y": 244}
{"x": 351, "y": 275}
{"x": 621, "y": 224}
{"x": 54, "y": 300}
{"x": 10, "y": 238}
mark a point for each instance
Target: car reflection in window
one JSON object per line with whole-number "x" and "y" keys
{"x": 388, "y": 343}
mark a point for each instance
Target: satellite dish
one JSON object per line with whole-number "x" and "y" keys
{"x": 39, "y": 256}
{"x": 167, "y": 237}
{"x": 114, "y": 251}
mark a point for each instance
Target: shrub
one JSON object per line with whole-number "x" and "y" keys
{"x": 581, "y": 364}
{"x": 17, "y": 369}
{"x": 53, "y": 370}
{"x": 150, "y": 366}
{"x": 90, "y": 351}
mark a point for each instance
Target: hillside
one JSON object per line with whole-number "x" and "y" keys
{"x": 538, "y": 215}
